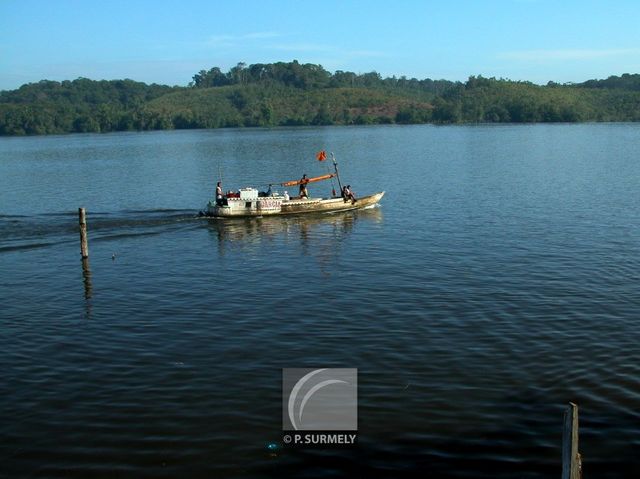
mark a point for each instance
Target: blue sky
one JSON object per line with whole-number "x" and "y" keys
{"x": 169, "y": 41}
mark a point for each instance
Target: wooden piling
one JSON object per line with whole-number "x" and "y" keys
{"x": 571, "y": 460}
{"x": 84, "y": 245}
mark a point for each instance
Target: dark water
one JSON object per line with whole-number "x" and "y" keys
{"x": 498, "y": 280}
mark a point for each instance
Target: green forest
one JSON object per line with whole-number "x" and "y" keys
{"x": 291, "y": 94}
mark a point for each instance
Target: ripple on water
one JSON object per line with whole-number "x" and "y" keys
{"x": 494, "y": 284}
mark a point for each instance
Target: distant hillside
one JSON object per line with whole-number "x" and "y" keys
{"x": 281, "y": 94}
{"x": 624, "y": 82}
{"x": 262, "y": 105}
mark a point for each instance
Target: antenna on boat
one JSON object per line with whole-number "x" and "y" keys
{"x": 333, "y": 185}
{"x": 335, "y": 167}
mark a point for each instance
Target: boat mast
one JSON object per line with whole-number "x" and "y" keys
{"x": 335, "y": 167}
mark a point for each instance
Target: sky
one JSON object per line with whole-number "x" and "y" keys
{"x": 167, "y": 42}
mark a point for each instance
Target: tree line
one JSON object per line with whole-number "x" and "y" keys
{"x": 291, "y": 94}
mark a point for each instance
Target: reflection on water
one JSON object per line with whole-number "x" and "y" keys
{"x": 315, "y": 235}
{"x": 88, "y": 287}
{"x": 86, "y": 278}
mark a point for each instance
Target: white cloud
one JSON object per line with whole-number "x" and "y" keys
{"x": 300, "y": 47}
{"x": 366, "y": 53}
{"x": 328, "y": 49}
{"x": 232, "y": 40}
{"x": 260, "y": 35}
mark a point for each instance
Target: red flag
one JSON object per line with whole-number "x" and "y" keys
{"x": 321, "y": 155}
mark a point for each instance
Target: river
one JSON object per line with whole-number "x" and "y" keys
{"x": 497, "y": 280}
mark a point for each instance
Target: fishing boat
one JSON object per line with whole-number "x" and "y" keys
{"x": 247, "y": 202}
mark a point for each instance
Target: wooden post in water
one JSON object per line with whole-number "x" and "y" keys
{"x": 84, "y": 246}
{"x": 84, "y": 251}
{"x": 571, "y": 461}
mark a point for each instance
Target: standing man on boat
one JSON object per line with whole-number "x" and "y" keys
{"x": 303, "y": 186}
{"x": 219, "y": 194}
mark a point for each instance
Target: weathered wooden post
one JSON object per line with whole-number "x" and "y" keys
{"x": 84, "y": 246}
{"x": 571, "y": 461}
{"x": 84, "y": 251}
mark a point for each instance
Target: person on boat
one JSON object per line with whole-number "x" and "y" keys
{"x": 219, "y": 194}
{"x": 303, "y": 187}
{"x": 348, "y": 195}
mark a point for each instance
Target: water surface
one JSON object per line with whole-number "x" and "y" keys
{"x": 497, "y": 281}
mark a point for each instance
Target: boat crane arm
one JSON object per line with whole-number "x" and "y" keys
{"x": 309, "y": 180}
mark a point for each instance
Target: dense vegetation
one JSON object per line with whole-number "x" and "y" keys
{"x": 305, "y": 94}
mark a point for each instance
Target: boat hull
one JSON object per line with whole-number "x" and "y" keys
{"x": 296, "y": 206}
